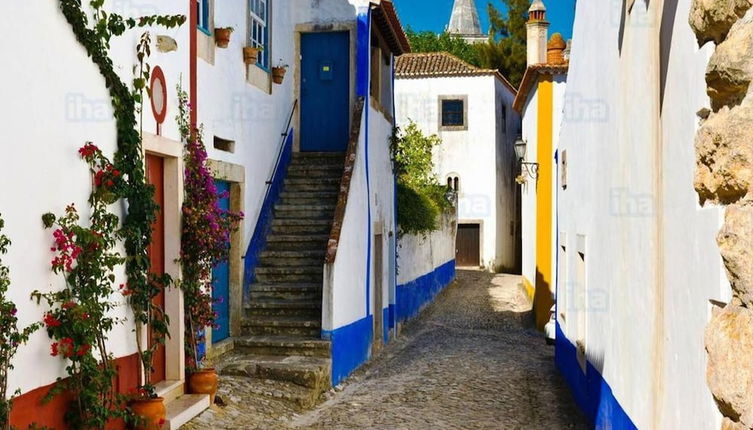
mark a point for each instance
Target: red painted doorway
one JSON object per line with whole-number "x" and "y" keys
{"x": 155, "y": 172}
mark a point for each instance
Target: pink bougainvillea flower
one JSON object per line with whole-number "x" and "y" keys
{"x": 51, "y": 321}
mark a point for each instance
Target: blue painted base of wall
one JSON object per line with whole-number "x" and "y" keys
{"x": 351, "y": 347}
{"x": 416, "y": 294}
{"x": 592, "y": 393}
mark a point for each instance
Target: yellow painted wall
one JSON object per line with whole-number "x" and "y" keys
{"x": 542, "y": 300}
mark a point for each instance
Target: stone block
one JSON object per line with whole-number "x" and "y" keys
{"x": 736, "y": 244}
{"x": 730, "y": 69}
{"x": 712, "y": 19}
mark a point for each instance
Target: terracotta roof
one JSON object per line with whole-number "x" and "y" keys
{"x": 441, "y": 64}
{"x": 532, "y": 73}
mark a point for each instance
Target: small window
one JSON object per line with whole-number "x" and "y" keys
{"x": 453, "y": 183}
{"x": 202, "y": 12}
{"x": 258, "y": 28}
{"x": 503, "y": 119}
{"x": 224, "y": 144}
{"x": 453, "y": 113}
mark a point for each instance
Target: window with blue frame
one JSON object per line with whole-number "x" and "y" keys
{"x": 258, "y": 25}
{"x": 202, "y": 12}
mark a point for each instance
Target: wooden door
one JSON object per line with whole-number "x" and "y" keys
{"x": 467, "y": 252}
{"x": 155, "y": 172}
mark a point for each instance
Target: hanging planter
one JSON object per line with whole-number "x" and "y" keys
{"x": 222, "y": 36}
{"x": 278, "y": 73}
{"x": 251, "y": 54}
{"x": 150, "y": 413}
{"x": 204, "y": 381}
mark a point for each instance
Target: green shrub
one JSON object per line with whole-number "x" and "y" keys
{"x": 416, "y": 212}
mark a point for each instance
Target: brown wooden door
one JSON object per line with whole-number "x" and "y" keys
{"x": 467, "y": 245}
{"x": 155, "y": 172}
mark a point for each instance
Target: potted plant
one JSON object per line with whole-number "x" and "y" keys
{"x": 205, "y": 242}
{"x": 278, "y": 73}
{"x": 150, "y": 412}
{"x": 222, "y": 36}
{"x": 251, "y": 54}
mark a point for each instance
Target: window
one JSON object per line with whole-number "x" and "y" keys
{"x": 202, "y": 9}
{"x": 258, "y": 28}
{"x": 224, "y": 144}
{"x": 453, "y": 183}
{"x": 503, "y": 119}
{"x": 453, "y": 113}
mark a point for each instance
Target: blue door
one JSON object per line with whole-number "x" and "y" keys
{"x": 325, "y": 91}
{"x": 221, "y": 278}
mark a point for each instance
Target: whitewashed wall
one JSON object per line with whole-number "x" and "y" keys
{"x": 418, "y": 255}
{"x": 651, "y": 259}
{"x": 54, "y": 101}
{"x": 480, "y": 156}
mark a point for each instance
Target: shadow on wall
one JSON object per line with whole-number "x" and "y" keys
{"x": 543, "y": 300}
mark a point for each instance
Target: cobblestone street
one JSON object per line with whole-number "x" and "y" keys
{"x": 466, "y": 363}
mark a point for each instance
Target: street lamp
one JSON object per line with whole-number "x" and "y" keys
{"x": 526, "y": 169}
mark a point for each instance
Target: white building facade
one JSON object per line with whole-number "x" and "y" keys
{"x": 470, "y": 109}
{"x": 637, "y": 261}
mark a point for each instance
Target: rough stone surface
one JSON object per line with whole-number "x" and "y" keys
{"x": 724, "y": 154}
{"x": 728, "y": 424}
{"x": 730, "y": 69}
{"x": 736, "y": 244}
{"x": 729, "y": 343}
{"x": 712, "y": 19}
{"x": 468, "y": 362}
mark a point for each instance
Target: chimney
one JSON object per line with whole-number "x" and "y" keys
{"x": 537, "y": 29}
{"x": 555, "y": 50}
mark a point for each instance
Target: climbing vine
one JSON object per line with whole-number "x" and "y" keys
{"x": 95, "y": 36}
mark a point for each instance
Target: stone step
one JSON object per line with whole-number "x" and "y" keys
{"x": 313, "y": 181}
{"x": 318, "y": 156}
{"x": 282, "y": 326}
{"x": 285, "y": 295}
{"x": 294, "y": 242}
{"x": 292, "y": 226}
{"x": 290, "y": 274}
{"x": 315, "y": 171}
{"x": 320, "y": 211}
{"x": 183, "y": 409}
{"x": 291, "y": 261}
{"x": 308, "y": 372}
{"x": 283, "y": 345}
{"x": 305, "y": 200}
{"x": 289, "y": 288}
{"x": 299, "y": 308}
{"x": 323, "y": 195}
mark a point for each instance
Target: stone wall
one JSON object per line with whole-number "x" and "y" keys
{"x": 724, "y": 176}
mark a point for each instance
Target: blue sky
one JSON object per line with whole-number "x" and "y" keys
{"x": 434, "y": 15}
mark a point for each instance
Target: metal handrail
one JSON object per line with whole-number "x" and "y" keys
{"x": 284, "y": 136}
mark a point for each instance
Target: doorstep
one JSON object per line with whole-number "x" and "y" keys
{"x": 184, "y": 408}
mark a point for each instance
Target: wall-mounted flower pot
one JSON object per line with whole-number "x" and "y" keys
{"x": 204, "y": 381}
{"x": 250, "y": 55}
{"x": 150, "y": 413}
{"x": 278, "y": 75}
{"x": 222, "y": 37}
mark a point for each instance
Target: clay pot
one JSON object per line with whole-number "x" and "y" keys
{"x": 278, "y": 74}
{"x": 250, "y": 55}
{"x": 150, "y": 413}
{"x": 204, "y": 381}
{"x": 222, "y": 37}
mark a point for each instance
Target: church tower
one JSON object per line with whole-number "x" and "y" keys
{"x": 465, "y": 22}
{"x": 537, "y": 29}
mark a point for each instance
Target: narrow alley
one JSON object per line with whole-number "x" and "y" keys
{"x": 468, "y": 362}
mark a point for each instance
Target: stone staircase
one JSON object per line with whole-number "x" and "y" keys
{"x": 281, "y": 349}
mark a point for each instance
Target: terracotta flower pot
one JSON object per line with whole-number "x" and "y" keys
{"x": 150, "y": 413}
{"x": 278, "y": 74}
{"x": 250, "y": 55}
{"x": 204, "y": 381}
{"x": 222, "y": 37}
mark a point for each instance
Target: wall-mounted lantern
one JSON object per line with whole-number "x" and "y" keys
{"x": 530, "y": 170}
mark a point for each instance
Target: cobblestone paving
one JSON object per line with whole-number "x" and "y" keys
{"x": 466, "y": 363}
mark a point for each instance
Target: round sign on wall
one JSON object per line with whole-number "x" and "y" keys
{"x": 158, "y": 90}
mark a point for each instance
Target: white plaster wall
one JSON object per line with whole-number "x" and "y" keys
{"x": 478, "y": 156}
{"x": 651, "y": 261}
{"x": 54, "y": 101}
{"x": 382, "y": 185}
{"x": 419, "y": 255}
{"x": 528, "y": 190}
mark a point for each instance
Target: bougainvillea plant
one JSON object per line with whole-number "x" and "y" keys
{"x": 95, "y": 34}
{"x": 80, "y": 319}
{"x": 11, "y": 336}
{"x": 206, "y": 234}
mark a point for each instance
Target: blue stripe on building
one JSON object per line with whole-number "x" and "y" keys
{"x": 591, "y": 392}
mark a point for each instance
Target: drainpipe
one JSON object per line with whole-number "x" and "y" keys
{"x": 193, "y": 22}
